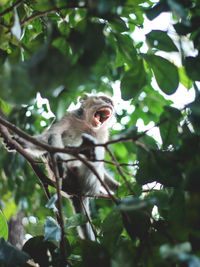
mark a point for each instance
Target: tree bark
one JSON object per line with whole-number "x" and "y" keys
{"x": 16, "y": 230}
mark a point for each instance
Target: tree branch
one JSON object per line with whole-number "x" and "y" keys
{"x": 119, "y": 170}
{"x": 18, "y": 3}
{"x": 46, "y": 12}
{"x": 45, "y": 181}
{"x": 116, "y": 201}
{"x": 133, "y": 139}
{"x": 72, "y": 150}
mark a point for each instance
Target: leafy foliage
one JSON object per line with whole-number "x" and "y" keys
{"x": 3, "y": 227}
{"x": 10, "y": 256}
{"x": 61, "y": 49}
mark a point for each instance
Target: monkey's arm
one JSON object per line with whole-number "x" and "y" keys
{"x": 33, "y": 149}
{"x": 110, "y": 182}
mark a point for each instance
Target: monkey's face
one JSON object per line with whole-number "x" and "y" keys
{"x": 97, "y": 110}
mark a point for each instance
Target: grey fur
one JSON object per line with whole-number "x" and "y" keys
{"x": 69, "y": 131}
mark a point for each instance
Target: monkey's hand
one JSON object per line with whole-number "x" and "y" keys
{"x": 112, "y": 184}
{"x": 10, "y": 146}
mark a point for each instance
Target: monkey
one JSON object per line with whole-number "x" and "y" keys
{"x": 90, "y": 123}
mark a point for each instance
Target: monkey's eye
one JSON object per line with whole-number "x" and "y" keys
{"x": 80, "y": 112}
{"x": 107, "y": 100}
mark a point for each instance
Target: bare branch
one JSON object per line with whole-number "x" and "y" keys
{"x": 71, "y": 150}
{"x": 18, "y": 3}
{"x": 89, "y": 165}
{"x": 45, "y": 181}
{"x": 119, "y": 170}
{"x": 133, "y": 139}
{"x": 45, "y": 146}
{"x": 44, "y": 13}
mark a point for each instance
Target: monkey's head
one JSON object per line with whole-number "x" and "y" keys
{"x": 96, "y": 110}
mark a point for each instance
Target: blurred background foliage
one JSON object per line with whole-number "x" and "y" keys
{"x": 58, "y": 50}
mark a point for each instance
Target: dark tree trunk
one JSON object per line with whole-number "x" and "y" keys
{"x": 16, "y": 230}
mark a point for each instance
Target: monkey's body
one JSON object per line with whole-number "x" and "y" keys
{"x": 89, "y": 122}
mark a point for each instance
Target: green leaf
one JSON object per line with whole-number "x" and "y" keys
{"x": 167, "y": 251}
{"x": 180, "y": 253}
{"x": 125, "y": 255}
{"x": 152, "y": 164}
{"x": 184, "y": 79}
{"x": 131, "y": 132}
{"x": 41, "y": 251}
{"x": 48, "y": 69}
{"x": 52, "y": 230}
{"x": 194, "y": 117}
{"x": 3, "y": 226}
{"x": 90, "y": 43}
{"x": 14, "y": 81}
{"x": 118, "y": 25}
{"x": 160, "y": 40}
{"x": 104, "y": 6}
{"x": 111, "y": 228}
{"x": 156, "y": 10}
{"x": 192, "y": 66}
{"x": 133, "y": 81}
{"x": 3, "y": 56}
{"x": 192, "y": 182}
{"x": 5, "y": 107}
{"x": 162, "y": 201}
{"x": 182, "y": 29}
{"x": 169, "y": 129}
{"x": 149, "y": 141}
{"x": 61, "y": 44}
{"x": 41, "y": 5}
{"x": 165, "y": 72}
{"x": 129, "y": 204}
{"x": 123, "y": 190}
{"x": 126, "y": 48}
{"x": 179, "y": 9}
{"x": 94, "y": 254}
{"x": 11, "y": 256}
{"x": 136, "y": 223}
{"x": 76, "y": 220}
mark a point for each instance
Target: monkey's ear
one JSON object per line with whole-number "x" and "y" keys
{"x": 81, "y": 99}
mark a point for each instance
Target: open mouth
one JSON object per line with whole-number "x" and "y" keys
{"x": 101, "y": 115}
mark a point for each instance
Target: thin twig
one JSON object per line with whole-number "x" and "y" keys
{"x": 9, "y": 9}
{"x": 45, "y": 181}
{"x": 89, "y": 165}
{"x": 102, "y": 160}
{"x": 119, "y": 170}
{"x": 88, "y": 217}
{"x": 4, "y": 26}
{"x": 46, "y": 12}
{"x": 133, "y": 139}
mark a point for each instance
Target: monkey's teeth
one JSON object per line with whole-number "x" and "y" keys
{"x": 97, "y": 119}
{"x": 102, "y": 115}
